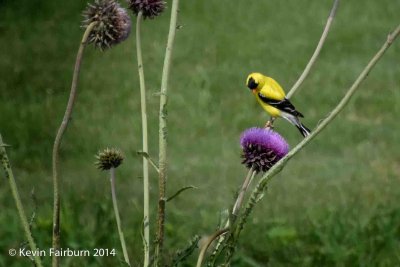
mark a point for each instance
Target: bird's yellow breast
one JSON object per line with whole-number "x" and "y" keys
{"x": 274, "y": 112}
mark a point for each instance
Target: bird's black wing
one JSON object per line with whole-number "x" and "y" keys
{"x": 283, "y": 105}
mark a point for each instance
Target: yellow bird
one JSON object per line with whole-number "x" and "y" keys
{"x": 272, "y": 98}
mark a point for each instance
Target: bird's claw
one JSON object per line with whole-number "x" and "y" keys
{"x": 269, "y": 124}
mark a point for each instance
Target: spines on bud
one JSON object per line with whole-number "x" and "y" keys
{"x": 149, "y": 8}
{"x": 109, "y": 158}
{"x": 113, "y": 24}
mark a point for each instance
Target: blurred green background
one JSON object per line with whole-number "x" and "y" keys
{"x": 335, "y": 204}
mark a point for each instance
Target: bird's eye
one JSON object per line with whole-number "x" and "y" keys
{"x": 252, "y": 84}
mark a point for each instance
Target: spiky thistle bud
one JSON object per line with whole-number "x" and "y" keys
{"x": 109, "y": 158}
{"x": 262, "y": 148}
{"x": 113, "y": 23}
{"x": 150, "y": 8}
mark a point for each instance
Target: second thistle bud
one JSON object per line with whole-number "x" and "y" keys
{"x": 149, "y": 8}
{"x": 113, "y": 24}
{"x": 109, "y": 158}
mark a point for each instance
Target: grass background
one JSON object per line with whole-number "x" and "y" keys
{"x": 335, "y": 204}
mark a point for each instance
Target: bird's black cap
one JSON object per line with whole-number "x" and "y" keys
{"x": 252, "y": 84}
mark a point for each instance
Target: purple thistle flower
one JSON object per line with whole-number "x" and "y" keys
{"x": 262, "y": 148}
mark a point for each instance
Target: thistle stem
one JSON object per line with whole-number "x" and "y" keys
{"x": 249, "y": 177}
{"x": 57, "y": 143}
{"x": 236, "y": 207}
{"x": 317, "y": 50}
{"x": 21, "y": 212}
{"x": 146, "y": 212}
{"x": 207, "y": 244}
{"x": 343, "y": 102}
{"x": 117, "y": 218}
{"x": 163, "y": 135}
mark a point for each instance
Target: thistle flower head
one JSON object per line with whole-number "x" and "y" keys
{"x": 113, "y": 23}
{"x": 109, "y": 158}
{"x": 262, "y": 148}
{"x": 150, "y": 8}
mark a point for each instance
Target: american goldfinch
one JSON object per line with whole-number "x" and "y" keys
{"x": 272, "y": 98}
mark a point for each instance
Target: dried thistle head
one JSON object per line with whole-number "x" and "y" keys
{"x": 109, "y": 158}
{"x": 113, "y": 23}
{"x": 149, "y": 8}
{"x": 262, "y": 148}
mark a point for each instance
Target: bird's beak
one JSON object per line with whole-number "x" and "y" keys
{"x": 254, "y": 91}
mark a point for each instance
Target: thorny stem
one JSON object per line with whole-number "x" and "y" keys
{"x": 57, "y": 143}
{"x": 163, "y": 136}
{"x": 146, "y": 212}
{"x": 208, "y": 243}
{"x": 236, "y": 207}
{"x": 14, "y": 190}
{"x": 117, "y": 218}
{"x": 317, "y": 50}
{"x": 280, "y": 165}
{"x": 182, "y": 255}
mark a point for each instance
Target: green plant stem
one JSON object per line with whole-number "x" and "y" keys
{"x": 57, "y": 143}
{"x": 256, "y": 193}
{"x": 208, "y": 243}
{"x": 317, "y": 50}
{"x": 163, "y": 135}
{"x": 117, "y": 218}
{"x": 179, "y": 192}
{"x": 21, "y": 212}
{"x": 146, "y": 186}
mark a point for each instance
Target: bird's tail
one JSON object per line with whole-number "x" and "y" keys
{"x": 303, "y": 129}
{"x": 296, "y": 122}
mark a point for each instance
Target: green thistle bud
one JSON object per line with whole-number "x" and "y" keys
{"x": 109, "y": 158}
{"x": 113, "y": 24}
